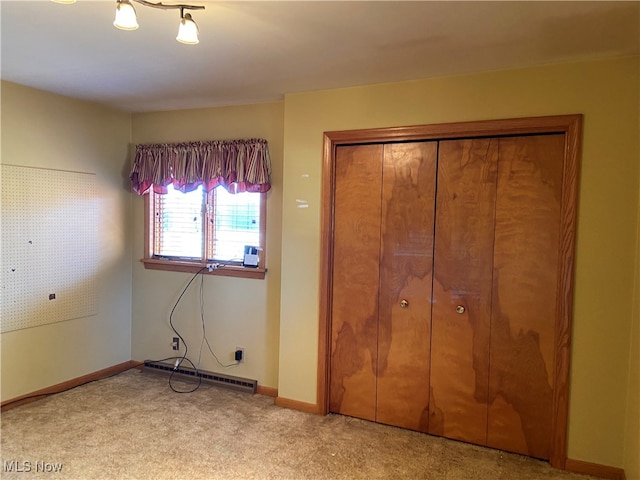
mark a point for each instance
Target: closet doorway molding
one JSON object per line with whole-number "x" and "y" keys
{"x": 571, "y": 127}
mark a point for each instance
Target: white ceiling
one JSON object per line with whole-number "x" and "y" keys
{"x": 256, "y": 51}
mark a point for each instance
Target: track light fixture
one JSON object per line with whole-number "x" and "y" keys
{"x": 126, "y": 18}
{"x": 187, "y": 31}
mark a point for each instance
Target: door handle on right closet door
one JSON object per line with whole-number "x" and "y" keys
{"x": 460, "y": 309}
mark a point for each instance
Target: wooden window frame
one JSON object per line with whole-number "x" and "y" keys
{"x": 186, "y": 266}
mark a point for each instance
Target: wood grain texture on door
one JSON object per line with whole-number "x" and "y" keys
{"x": 504, "y": 250}
{"x": 406, "y": 261}
{"x": 467, "y": 172}
{"x": 354, "y": 310}
{"x": 524, "y": 294}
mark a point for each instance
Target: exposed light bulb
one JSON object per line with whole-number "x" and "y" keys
{"x": 125, "y": 16}
{"x": 188, "y": 31}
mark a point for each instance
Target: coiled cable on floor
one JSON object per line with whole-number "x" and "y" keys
{"x": 179, "y": 360}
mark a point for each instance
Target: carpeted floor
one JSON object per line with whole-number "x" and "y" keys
{"x": 132, "y": 426}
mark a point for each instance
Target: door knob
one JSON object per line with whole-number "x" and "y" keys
{"x": 404, "y": 303}
{"x": 460, "y": 309}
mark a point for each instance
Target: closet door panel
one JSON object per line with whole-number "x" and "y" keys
{"x": 462, "y": 288}
{"x": 524, "y": 294}
{"x": 354, "y": 311}
{"x": 408, "y": 195}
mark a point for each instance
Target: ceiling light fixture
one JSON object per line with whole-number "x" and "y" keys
{"x": 188, "y": 30}
{"x": 126, "y": 18}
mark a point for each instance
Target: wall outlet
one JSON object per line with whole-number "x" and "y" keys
{"x": 175, "y": 344}
{"x": 239, "y": 355}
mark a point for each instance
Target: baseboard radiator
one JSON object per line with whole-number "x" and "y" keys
{"x": 189, "y": 374}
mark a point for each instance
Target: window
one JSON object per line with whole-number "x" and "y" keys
{"x": 207, "y": 225}
{"x": 187, "y": 231}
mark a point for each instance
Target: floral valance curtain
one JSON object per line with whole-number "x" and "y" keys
{"x": 238, "y": 165}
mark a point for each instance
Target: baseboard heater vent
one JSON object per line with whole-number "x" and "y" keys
{"x": 185, "y": 373}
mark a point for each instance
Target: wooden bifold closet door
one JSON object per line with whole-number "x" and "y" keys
{"x": 383, "y": 246}
{"x": 494, "y": 295}
{"x": 444, "y": 281}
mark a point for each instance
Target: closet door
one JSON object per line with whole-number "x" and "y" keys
{"x": 495, "y": 283}
{"x": 406, "y": 260}
{"x": 356, "y": 272}
{"x": 465, "y": 204}
{"x": 381, "y": 295}
{"x": 525, "y": 280}
{"x": 498, "y": 355}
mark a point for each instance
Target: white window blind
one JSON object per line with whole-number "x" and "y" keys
{"x": 235, "y": 223}
{"x": 178, "y": 224}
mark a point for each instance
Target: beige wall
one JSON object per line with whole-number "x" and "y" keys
{"x": 606, "y": 93}
{"x": 239, "y": 312}
{"x": 48, "y": 131}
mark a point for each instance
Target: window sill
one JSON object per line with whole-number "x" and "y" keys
{"x": 192, "y": 267}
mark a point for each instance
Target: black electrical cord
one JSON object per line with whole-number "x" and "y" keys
{"x": 204, "y": 333}
{"x": 179, "y": 360}
{"x": 175, "y": 370}
{"x": 183, "y": 358}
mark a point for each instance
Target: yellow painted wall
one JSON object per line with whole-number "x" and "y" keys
{"x": 276, "y": 319}
{"x": 632, "y": 438}
{"x": 49, "y": 131}
{"x": 239, "y": 312}
{"x": 606, "y": 92}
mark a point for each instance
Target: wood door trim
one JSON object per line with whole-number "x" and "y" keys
{"x": 571, "y": 127}
{"x": 441, "y": 131}
{"x": 564, "y": 302}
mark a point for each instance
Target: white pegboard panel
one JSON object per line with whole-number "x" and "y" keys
{"x": 49, "y": 246}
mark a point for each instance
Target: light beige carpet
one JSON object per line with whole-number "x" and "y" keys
{"x": 132, "y": 426}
